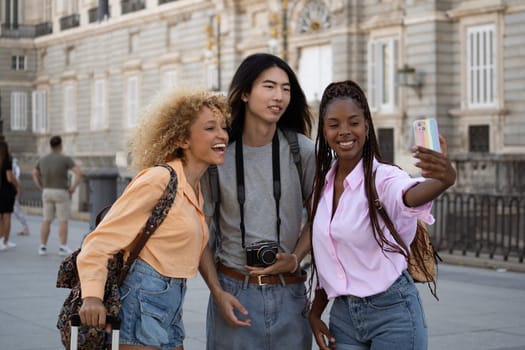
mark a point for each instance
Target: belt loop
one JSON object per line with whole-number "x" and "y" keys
{"x": 283, "y": 283}
{"x": 245, "y": 282}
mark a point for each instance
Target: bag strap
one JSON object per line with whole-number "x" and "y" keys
{"x": 156, "y": 218}
{"x": 386, "y": 219}
{"x": 293, "y": 141}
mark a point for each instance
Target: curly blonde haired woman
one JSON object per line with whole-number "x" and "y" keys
{"x": 186, "y": 130}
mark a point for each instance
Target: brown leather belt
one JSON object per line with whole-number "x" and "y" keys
{"x": 261, "y": 280}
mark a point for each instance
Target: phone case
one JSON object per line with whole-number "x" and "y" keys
{"x": 426, "y": 134}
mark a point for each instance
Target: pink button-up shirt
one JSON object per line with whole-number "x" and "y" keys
{"x": 348, "y": 259}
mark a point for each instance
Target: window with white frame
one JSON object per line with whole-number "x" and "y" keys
{"x": 170, "y": 78}
{"x": 212, "y": 76}
{"x": 315, "y": 70}
{"x": 132, "y": 101}
{"x": 382, "y": 65}
{"x": 70, "y": 122}
{"x": 39, "y": 98}
{"x": 98, "y": 117}
{"x": 11, "y": 13}
{"x": 19, "y": 62}
{"x": 18, "y": 110}
{"x": 481, "y": 66}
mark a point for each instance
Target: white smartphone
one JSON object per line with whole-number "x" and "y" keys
{"x": 426, "y": 134}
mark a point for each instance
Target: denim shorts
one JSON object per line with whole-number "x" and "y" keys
{"x": 393, "y": 319}
{"x": 277, "y": 314}
{"x": 151, "y": 312}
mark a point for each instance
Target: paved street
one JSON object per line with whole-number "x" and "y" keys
{"x": 482, "y": 309}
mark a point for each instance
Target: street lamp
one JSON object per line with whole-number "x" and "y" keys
{"x": 407, "y": 76}
{"x": 214, "y": 39}
{"x": 275, "y": 22}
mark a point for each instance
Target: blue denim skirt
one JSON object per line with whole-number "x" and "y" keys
{"x": 393, "y": 319}
{"x": 151, "y": 312}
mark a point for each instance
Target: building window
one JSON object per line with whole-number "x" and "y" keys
{"x": 132, "y": 101}
{"x": 385, "y": 138}
{"x": 478, "y": 136}
{"x": 315, "y": 70}
{"x": 18, "y": 111}
{"x": 98, "y": 119}
{"x": 11, "y": 13}
{"x": 19, "y": 62}
{"x": 170, "y": 78}
{"x": 70, "y": 123}
{"x": 39, "y": 111}
{"x": 382, "y": 65}
{"x": 481, "y": 66}
{"x": 133, "y": 42}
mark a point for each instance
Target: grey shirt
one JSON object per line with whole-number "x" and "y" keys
{"x": 259, "y": 207}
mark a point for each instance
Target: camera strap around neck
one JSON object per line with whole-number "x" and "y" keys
{"x": 241, "y": 195}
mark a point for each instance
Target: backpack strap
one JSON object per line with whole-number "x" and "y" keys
{"x": 293, "y": 141}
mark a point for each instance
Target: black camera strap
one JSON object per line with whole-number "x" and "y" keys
{"x": 241, "y": 195}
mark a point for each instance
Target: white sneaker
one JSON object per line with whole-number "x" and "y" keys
{"x": 10, "y": 244}
{"x": 64, "y": 250}
{"x": 42, "y": 250}
{"x": 2, "y": 246}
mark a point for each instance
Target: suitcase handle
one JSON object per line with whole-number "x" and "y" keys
{"x": 111, "y": 320}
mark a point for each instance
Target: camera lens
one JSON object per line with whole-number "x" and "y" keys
{"x": 267, "y": 256}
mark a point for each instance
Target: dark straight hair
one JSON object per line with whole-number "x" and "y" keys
{"x": 297, "y": 116}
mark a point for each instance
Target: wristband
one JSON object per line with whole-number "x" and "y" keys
{"x": 296, "y": 263}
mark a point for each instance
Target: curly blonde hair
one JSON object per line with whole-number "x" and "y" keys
{"x": 166, "y": 123}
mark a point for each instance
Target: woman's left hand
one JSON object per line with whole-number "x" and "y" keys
{"x": 436, "y": 165}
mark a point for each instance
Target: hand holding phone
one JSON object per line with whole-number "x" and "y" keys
{"x": 426, "y": 134}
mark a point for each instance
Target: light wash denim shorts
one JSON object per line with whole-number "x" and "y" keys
{"x": 393, "y": 319}
{"x": 151, "y": 312}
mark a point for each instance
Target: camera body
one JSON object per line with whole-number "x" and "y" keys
{"x": 261, "y": 253}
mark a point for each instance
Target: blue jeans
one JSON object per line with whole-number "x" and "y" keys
{"x": 393, "y": 319}
{"x": 276, "y": 312}
{"x": 151, "y": 312}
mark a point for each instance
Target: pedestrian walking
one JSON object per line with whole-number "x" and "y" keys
{"x": 257, "y": 289}
{"x": 360, "y": 265}
{"x": 17, "y": 209}
{"x": 187, "y": 131}
{"x": 8, "y": 188}
{"x": 51, "y": 177}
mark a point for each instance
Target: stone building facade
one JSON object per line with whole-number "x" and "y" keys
{"x": 84, "y": 69}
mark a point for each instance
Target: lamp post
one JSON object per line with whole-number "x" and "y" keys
{"x": 214, "y": 39}
{"x": 275, "y": 22}
{"x": 285, "y": 29}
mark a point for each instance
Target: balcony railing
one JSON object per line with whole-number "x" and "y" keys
{"x": 93, "y": 14}
{"x": 70, "y": 21}
{"x": 132, "y": 6}
{"x": 43, "y": 28}
{"x": 25, "y": 31}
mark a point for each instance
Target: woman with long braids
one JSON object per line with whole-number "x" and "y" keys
{"x": 360, "y": 264}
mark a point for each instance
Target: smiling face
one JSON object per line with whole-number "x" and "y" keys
{"x": 345, "y": 130}
{"x": 208, "y": 138}
{"x": 269, "y": 96}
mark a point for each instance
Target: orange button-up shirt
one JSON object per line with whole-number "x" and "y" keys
{"x": 174, "y": 249}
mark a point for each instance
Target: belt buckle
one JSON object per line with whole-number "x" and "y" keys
{"x": 260, "y": 281}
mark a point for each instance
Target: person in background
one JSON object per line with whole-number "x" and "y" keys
{"x": 360, "y": 265}
{"x": 187, "y": 131}
{"x": 51, "y": 177}
{"x": 17, "y": 209}
{"x": 253, "y": 306}
{"x": 8, "y": 189}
